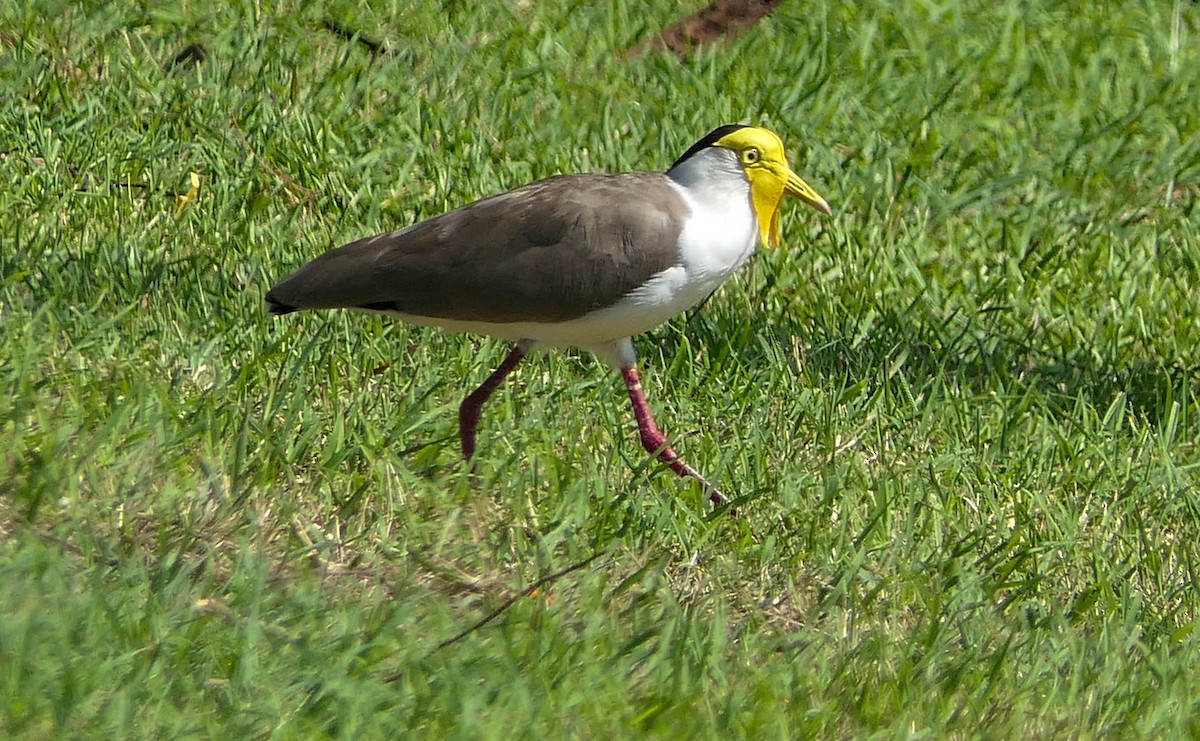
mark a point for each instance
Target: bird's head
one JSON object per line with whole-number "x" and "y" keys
{"x": 761, "y": 155}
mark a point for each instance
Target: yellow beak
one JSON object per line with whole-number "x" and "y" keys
{"x": 802, "y": 190}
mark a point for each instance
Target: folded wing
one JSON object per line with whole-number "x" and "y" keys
{"x": 551, "y": 251}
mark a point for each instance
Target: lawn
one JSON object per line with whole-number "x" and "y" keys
{"x": 961, "y": 416}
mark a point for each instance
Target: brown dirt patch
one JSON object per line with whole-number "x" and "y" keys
{"x": 719, "y": 21}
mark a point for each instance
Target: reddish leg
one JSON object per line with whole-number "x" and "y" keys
{"x": 472, "y": 406}
{"x": 655, "y": 442}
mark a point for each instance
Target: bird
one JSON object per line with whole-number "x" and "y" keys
{"x": 573, "y": 260}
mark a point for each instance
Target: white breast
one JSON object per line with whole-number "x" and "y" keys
{"x": 719, "y": 237}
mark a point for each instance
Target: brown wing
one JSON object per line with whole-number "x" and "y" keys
{"x": 550, "y": 251}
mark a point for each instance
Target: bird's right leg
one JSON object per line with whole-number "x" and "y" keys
{"x": 655, "y": 442}
{"x": 622, "y": 355}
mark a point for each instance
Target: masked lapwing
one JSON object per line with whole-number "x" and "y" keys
{"x": 573, "y": 260}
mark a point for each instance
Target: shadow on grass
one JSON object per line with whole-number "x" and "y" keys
{"x": 967, "y": 352}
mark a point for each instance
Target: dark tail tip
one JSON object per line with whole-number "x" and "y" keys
{"x": 277, "y": 307}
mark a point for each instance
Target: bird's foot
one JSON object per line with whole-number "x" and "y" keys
{"x": 667, "y": 455}
{"x": 715, "y": 495}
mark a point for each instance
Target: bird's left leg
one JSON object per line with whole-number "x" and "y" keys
{"x": 472, "y": 406}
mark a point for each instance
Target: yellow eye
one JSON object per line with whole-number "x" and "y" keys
{"x": 751, "y": 155}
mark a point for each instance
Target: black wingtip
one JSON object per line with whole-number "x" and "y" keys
{"x": 277, "y": 307}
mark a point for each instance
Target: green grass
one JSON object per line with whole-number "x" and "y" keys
{"x": 963, "y": 414}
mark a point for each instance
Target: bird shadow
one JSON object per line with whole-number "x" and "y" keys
{"x": 975, "y": 353}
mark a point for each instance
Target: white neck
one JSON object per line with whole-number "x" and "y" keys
{"x": 713, "y": 176}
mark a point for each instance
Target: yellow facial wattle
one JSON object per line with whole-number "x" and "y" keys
{"x": 766, "y": 195}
